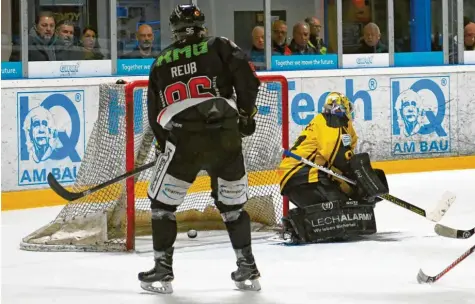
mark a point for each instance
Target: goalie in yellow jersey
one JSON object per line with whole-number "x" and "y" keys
{"x": 329, "y": 209}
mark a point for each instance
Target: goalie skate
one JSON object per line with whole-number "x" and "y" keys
{"x": 282, "y": 238}
{"x": 286, "y": 235}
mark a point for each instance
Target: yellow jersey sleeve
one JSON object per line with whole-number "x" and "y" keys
{"x": 326, "y": 146}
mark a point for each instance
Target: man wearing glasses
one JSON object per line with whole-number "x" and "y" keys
{"x": 315, "y": 29}
{"x": 279, "y": 38}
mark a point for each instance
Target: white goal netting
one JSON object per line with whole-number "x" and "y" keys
{"x": 110, "y": 219}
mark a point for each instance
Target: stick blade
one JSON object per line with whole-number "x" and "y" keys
{"x": 61, "y": 191}
{"x": 442, "y": 206}
{"x": 445, "y": 231}
{"x": 449, "y": 232}
{"x": 422, "y": 278}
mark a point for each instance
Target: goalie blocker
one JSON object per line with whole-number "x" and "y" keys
{"x": 326, "y": 213}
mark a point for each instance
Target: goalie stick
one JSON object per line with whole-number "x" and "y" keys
{"x": 423, "y": 278}
{"x": 445, "y": 231}
{"x": 436, "y": 215}
{"x": 72, "y": 196}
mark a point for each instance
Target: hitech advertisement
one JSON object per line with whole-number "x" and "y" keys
{"x": 395, "y": 117}
{"x": 45, "y": 129}
{"x": 51, "y": 135}
{"x": 420, "y": 115}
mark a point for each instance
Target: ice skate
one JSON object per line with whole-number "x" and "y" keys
{"x": 246, "y": 276}
{"x": 286, "y": 235}
{"x": 162, "y": 273}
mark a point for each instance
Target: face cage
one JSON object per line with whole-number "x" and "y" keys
{"x": 340, "y": 110}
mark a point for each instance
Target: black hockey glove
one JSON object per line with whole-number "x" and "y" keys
{"x": 368, "y": 183}
{"x": 247, "y": 124}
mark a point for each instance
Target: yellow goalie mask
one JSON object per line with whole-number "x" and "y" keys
{"x": 339, "y": 105}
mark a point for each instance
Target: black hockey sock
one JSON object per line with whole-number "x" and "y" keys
{"x": 164, "y": 229}
{"x": 239, "y": 230}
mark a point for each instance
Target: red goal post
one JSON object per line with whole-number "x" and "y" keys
{"x": 111, "y": 219}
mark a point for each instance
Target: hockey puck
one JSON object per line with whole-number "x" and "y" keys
{"x": 192, "y": 233}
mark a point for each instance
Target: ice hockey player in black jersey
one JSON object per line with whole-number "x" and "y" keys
{"x": 198, "y": 122}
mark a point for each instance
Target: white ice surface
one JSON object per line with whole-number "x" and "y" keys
{"x": 381, "y": 270}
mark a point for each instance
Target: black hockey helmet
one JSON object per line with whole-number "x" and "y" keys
{"x": 186, "y": 20}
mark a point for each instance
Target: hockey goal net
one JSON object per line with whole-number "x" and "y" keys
{"x": 121, "y": 140}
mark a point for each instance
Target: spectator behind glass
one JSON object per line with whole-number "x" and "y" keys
{"x": 466, "y": 21}
{"x": 300, "y": 44}
{"x": 469, "y": 36}
{"x": 257, "y": 54}
{"x": 279, "y": 38}
{"x": 145, "y": 41}
{"x": 371, "y": 42}
{"x": 90, "y": 45}
{"x": 41, "y": 39}
{"x": 65, "y": 48}
{"x": 468, "y": 41}
{"x": 315, "y": 40}
{"x": 7, "y": 46}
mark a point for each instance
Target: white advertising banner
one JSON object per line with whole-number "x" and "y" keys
{"x": 45, "y": 128}
{"x": 395, "y": 117}
{"x": 45, "y": 131}
{"x": 466, "y": 113}
{"x": 81, "y": 68}
{"x": 469, "y": 57}
{"x": 373, "y": 60}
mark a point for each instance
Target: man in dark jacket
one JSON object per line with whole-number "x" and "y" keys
{"x": 41, "y": 39}
{"x": 279, "y": 38}
{"x": 300, "y": 44}
{"x": 64, "y": 45}
{"x": 371, "y": 42}
{"x": 315, "y": 40}
{"x": 144, "y": 49}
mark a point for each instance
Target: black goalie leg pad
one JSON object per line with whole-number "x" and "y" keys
{"x": 238, "y": 224}
{"x": 367, "y": 180}
{"x": 333, "y": 221}
{"x": 382, "y": 177}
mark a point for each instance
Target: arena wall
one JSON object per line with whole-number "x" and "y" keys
{"x": 408, "y": 119}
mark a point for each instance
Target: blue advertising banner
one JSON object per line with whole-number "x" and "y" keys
{"x": 304, "y": 62}
{"x": 11, "y": 70}
{"x": 134, "y": 66}
{"x": 414, "y": 59}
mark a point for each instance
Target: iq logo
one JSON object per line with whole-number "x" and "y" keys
{"x": 420, "y": 114}
{"x": 51, "y": 137}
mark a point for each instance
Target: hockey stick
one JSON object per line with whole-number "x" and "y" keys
{"x": 442, "y": 206}
{"x": 445, "y": 231}
{"x": 72, "y": 196}
{"x": 423, "y": 278}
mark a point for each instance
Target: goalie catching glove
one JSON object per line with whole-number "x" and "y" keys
{"x": 368, "y": 182}
{"x": 247, "y": 124}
